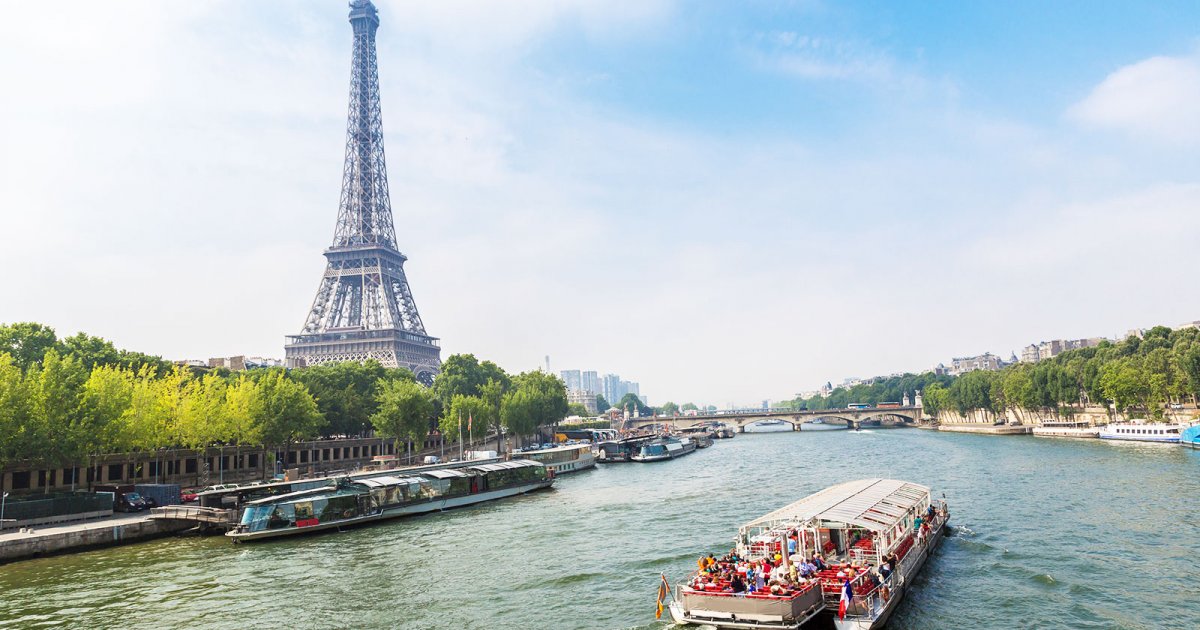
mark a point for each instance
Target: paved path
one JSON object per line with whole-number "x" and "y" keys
{"x": 12, "y": 533}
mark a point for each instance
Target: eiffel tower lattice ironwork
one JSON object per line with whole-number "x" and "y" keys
{"x": 364, "y": 308}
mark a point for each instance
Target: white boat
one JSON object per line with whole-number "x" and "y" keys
{"x": 854, "y": 525}
{"x": 1142, "y": 431}
{"x": 768, "y": 426}
{"x": 1067, "y": 428}
{"x": 562, "y": 459}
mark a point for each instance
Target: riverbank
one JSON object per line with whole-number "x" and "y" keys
{"x": 990, "y": 429}
{"x": 106, "y": 532}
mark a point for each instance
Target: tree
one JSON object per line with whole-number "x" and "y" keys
{"x": 935, "y": 399}
{"x": 15, "y": 414}
{"x": 601, "y": 404}
{"x": 577, "y": 409}
{"x": 688, "y": 407}
{"x": 549, "y": 394}
{"x": 669, "y": 409}
{"x": 635, "y": 404}
{"x": 405, "y": 410}
{"x": 474, "y": 414}
{"x": 518, "y": 412}
{"x": 464, "y": 374}
{"x": 346, "y": 393}
{"x": 27, "y": 342}
{"x": 55, "y": 387}
{"x": 492, "y": 393}
{"x": 287, "y": 412}
{"x": 91, "y": 351}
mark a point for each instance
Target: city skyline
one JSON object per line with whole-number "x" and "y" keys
{"x": 733, "y": 202}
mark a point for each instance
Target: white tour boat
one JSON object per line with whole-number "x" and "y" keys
{"x": 1142, "y": 431}
{"x": 562, "y": 459}
{"x": 1067, "y": 428}
{"x": 855, "y": 526}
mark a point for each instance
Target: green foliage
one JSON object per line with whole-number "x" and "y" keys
{"x": 601, "y": 404}
{"x": 537, "y": 399}
{"x": 405, "y": 410}
{"x": 473, "y": 412}
{"x": 577, "y": 409}
{"x": 634, "y": 404}
{"x": 288, "y": 412}
{"x": 669, "y": 409}
{"x": 346, "y": 393}
{"x": 688, "y": 407}
{"x": 464, "y": 374}
{"x": 27, "y": 342}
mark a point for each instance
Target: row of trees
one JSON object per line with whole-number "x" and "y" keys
{"x": 65, "y": 401}
{"x": 1141, "y": 375}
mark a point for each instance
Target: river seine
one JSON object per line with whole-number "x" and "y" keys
{"x": 1048, "y": 533}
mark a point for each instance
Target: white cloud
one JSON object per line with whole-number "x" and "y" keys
{"x": 1157, "y": 99}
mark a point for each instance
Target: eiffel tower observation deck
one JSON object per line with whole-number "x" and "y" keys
{"x": 364, "y": 308}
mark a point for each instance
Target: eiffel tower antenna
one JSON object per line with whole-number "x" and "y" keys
{"x": 364, "y": 308}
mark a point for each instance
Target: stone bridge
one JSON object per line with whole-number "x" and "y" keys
{"x": 851, "y": 418}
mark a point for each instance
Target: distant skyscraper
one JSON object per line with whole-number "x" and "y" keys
{"x": 572, "y": 380}
{"x": 590, "y": 381}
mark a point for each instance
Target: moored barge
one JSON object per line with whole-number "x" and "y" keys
{"x": 349, "y": 502}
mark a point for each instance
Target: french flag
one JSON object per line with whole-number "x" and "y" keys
{"x": 847, "y": 595}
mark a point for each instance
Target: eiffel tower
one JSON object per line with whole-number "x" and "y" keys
{"x": 364, "y": 308}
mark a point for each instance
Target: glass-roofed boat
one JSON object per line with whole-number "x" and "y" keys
{"x": 348, "y": 502}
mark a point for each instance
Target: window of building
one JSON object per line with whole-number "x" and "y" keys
{"x": 20, "y": 480}
{"x": 189, "y": 465}
{"x": 114, "y": 472}
{"x": 134, "y": 471}
{"x": 254, "y": 460}
{"x": 303, "y": 457}
{"x": 325, "y": 455}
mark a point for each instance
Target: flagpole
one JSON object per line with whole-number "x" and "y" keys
{"x": 460, "y": 442}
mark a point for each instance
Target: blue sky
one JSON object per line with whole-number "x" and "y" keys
{"x": 724, "y": 201}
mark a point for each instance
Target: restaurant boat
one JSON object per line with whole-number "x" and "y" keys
{"x": 854, "y": 526}
{"x": 1141, "y": 431}
{"x": 348, "y": 502}
{"x": 658, "y": 449}
{"x": 562, "y": 459}
{"x": 1067, "y": 428}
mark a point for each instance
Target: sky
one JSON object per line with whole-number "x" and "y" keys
{"x": 726, "y": 202}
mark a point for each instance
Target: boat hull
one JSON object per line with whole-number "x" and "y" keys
{"x": 728, "y": 610}
{"x": 396, "y": 512}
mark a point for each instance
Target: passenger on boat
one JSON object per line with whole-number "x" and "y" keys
{"x": 736, "y": 584}
{"x": 819, "y": 562}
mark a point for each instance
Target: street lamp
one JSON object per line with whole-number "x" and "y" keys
{"x": 3, "y": 498}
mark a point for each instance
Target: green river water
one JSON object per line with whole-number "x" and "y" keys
{"x": 1048, "y": 533}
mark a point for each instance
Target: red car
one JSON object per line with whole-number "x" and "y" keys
{"x": 187, "y": 497}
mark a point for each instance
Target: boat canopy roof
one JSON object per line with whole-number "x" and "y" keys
{"x": 516, "y": 463}
{"x": 446, "y": 473}
{"x": 386, "y": 482}
{"x": 874, "y": 504}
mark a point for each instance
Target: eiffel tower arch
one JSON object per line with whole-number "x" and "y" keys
{"x": 364, "y": 308}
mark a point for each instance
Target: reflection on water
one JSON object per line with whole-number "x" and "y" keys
{"x": 1047, "y": 534}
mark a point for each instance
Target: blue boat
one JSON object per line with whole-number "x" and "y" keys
{"x": 1190, "y": 436}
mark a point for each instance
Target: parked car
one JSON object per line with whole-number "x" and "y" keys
{"x": 188, "y": 497}
{"x": 125, "y": 498}
{"x": 432, "y": 459}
